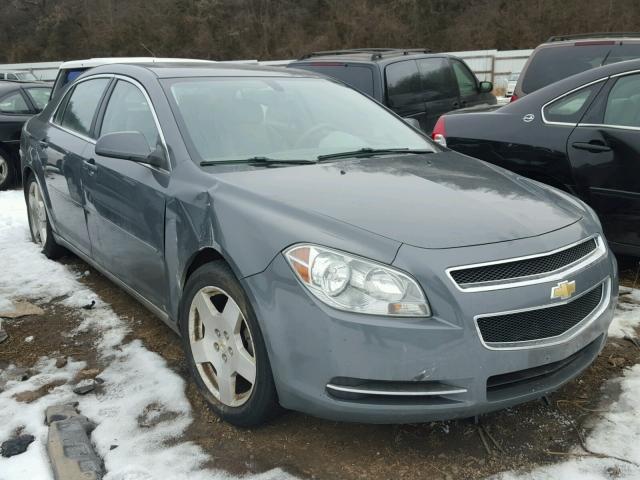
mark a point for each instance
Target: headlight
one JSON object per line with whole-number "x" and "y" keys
{"x": 356, "y": 284}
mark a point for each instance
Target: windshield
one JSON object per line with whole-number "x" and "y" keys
{"x": 284, "y": 118}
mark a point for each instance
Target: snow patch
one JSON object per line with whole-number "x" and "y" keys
{"x": 134, "y": 379}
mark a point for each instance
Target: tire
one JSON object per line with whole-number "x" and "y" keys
{"x": 7, "y": 170}
{"x": 39, "y": 225}
{"x": 222, "y": 340}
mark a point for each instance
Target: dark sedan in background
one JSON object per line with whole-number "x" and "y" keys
{"x": 581, "y": 135}
{"x": 18, "y": 102}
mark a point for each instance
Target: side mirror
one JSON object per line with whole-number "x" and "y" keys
{"x": 486, "y": 87}
{"x": 412, "y": 121}
{"x": 128, "y": 146}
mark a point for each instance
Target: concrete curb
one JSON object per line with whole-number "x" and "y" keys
{"x": 70, "y": 451}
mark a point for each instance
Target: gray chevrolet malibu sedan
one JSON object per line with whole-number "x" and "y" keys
{"x": 312, "y": 249}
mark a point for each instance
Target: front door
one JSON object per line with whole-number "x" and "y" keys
{"x": 605, "y": 153}
{"x": 126, "y": 200}
{"x": 65, "y": 148}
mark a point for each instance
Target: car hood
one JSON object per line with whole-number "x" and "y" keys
{"x": 439, "y": 200}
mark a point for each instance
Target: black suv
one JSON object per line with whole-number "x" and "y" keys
{"x": 565, "y": 55}
{"x": 413, "y": 83}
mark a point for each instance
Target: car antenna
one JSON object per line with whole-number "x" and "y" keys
{"x": 147, "y": 49}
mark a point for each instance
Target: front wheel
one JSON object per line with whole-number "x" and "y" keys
{"x": 225, "y": 348}
{"x": 39, "y": 221}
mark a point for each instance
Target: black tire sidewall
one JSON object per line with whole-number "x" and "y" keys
{"x": 262, "y": 404}
{"x": 11, "y": 174}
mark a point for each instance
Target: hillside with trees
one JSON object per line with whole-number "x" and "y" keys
{"x": 41, "y": 30}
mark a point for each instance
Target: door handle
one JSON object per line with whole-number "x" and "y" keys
{"x": 463, "y": 103}
{"x": 90, "y": 166}
{"x": 592, "y": 146}
{"x": 455, "y": 105}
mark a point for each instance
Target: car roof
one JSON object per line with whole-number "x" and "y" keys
{"x": 196, "y": 69}
{"x": 595, "y": 38}
{"x": 96, "y": 62}
{"x": 378, "y": 56}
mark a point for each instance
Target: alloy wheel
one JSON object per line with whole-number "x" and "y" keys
{"x": 37, "y": 214}
{"x": 222, "y": 346}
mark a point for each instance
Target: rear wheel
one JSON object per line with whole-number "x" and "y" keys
{"x": 225, "y": 348}
{"x": 39, "y": 221}
{"x": 7, "y": 170}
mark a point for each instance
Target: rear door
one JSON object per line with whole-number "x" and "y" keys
{"x": 605, "y": 152}
{"x": 405, "y": 94}
{"x": 66, "y": 148}
{"x": 439, "y": 91}
{"x": 126, "y": 199}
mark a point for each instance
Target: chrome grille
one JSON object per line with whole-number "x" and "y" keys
{"x": 528, "y": 267}
{"x": 541, "y": 323}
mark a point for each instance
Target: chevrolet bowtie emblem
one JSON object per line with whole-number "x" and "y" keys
{"x": 563, "y": 290}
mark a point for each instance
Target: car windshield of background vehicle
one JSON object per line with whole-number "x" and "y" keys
{"x": 14, "y": 103}
{"x": 623, "y": 104}
{"x": 284, "y": 118}
{"x": 551, "y": 64}
{"x": 570, "y": 108}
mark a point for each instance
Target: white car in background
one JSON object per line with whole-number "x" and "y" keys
{"x": 511, "y": 84}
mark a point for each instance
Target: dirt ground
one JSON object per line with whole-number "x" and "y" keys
{"x": 529, "y": 435}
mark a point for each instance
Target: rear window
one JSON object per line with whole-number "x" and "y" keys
{"x": 551, "y": 64}
{"x": 357, "y": 76}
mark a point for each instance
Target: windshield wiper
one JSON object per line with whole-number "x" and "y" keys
{"x": 259, "y": 161}
{"x": 369, "y": 152}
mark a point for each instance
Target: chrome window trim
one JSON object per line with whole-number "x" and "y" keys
{"x": 396, "y": 393}
{"x": 558, "y": 339}
{"x": 568, "y": 124}
{"x": 607, "y": 125}
{"x": 140, "y": 87}
{"x": 554, "y": 275}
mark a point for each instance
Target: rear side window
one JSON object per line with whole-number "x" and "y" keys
{"x": 40, "y": 96}
{"x": 467, "y": 83}
{"x": 14, "y": 103}
{"x": 403, "y": 83}
{"x": 548, "y": 65}
{"x": 82, "y": 105}
{"x": 437, "y": 83}
{"x": 623, "y": 103}
{"x": 357, "y": 76}
{"x": 128, "y": 111}
{"x": 570, "y": 108}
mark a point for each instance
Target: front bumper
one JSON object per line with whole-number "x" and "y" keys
{"x": 311, "y": 345}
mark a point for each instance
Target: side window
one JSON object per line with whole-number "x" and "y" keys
{"x": 82, "y": 105}
{"x": 467, "y": 83}
{"x": 403, "y": 83}
{"x": 437, "y": 83}
{"x": 128, "y": 111}
{"x": 623, "y": 104}
{"x": 12, "y": 76}
{"x": 14, "y": 103}
{"x": 40, "y": 96}
{"x": 569, "y": 109}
